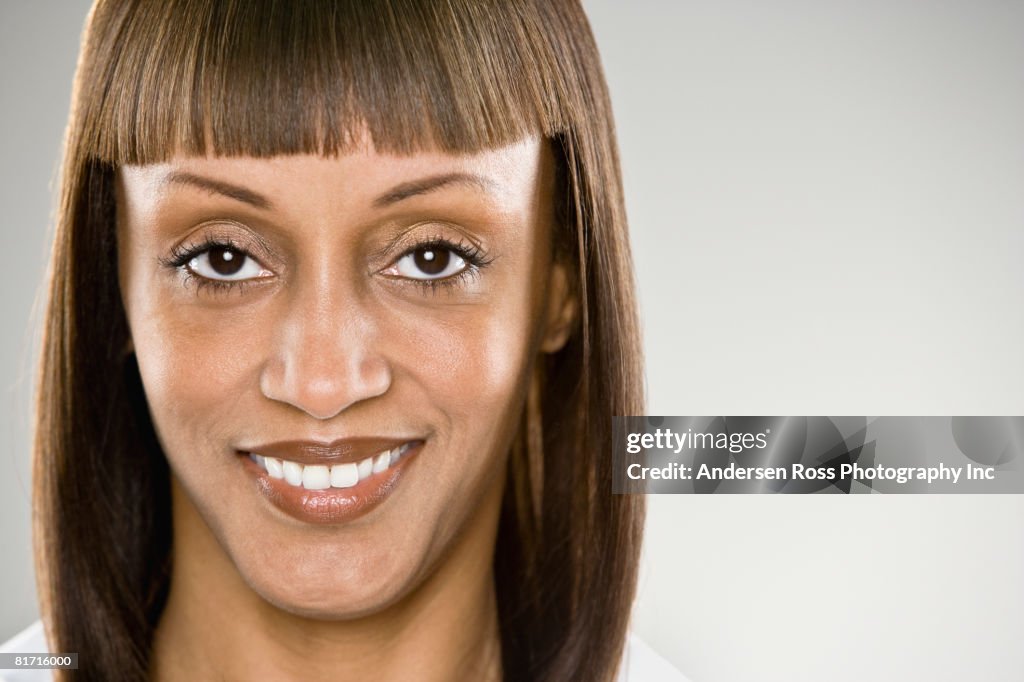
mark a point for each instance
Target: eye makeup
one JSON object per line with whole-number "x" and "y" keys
{"x": 429, "y": 262}
{"x": 221, "y": 248}
{"x": 426, "y": 261}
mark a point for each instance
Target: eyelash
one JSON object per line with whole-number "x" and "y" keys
{"x": 181, "y": 255}
{"x": 474, "y": 257}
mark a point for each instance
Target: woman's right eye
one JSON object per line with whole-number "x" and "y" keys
{"x": 226, "y": 264}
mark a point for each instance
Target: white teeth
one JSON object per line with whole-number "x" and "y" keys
{"x": 316, "y": 477}
{"x": 344, "y": 475}
{"x": 273, "y": 467}
{"x": 292, "y": 472}
{"x": 322, "y": 477}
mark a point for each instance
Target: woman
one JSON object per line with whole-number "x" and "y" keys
{"x": 341, "y": 309}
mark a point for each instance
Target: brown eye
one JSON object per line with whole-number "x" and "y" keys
{"x": 225, "y": 263}
{"x": 430, "y": 262}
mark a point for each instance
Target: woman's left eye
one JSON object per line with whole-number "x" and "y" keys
{"x": 225, "y": 264}
{"x": 428, "y": 263}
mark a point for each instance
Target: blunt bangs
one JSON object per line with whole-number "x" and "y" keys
{"x": 264, "y": 77}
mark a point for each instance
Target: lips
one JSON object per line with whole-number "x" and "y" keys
{"x": 328, "y": 482}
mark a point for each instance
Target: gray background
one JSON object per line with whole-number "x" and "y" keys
{"x": 827, "y": 205}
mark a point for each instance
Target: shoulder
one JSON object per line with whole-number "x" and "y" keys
{"x": 641, "y": 663}
{"x": 31, "y": 640}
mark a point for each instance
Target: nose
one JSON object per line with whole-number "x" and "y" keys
{"x": 325, "y": 358}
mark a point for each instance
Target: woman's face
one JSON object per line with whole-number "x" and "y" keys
{"x": 367, "y": 326}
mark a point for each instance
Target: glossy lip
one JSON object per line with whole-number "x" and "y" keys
{"x": 333, "y": 505}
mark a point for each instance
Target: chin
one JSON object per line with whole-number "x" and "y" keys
{"x": 327, "y": 608}
{"x": 325, "y": 587}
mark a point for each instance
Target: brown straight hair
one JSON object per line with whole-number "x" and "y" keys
{"x": 262, "y": 78}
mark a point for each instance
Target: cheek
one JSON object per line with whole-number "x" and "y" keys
{"x": 473, "y": 361}
{"x": 193, "y": 369}
{"x": 471, "y": 366}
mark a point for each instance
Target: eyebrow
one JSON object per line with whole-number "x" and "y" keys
{"x": 425, "y": 185}
{"x": 219, "y": 187}
{"x": 392, "y": 196}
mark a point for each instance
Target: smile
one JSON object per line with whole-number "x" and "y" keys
{"x": 328, "y": 483}
{"x": 322, "y": 477}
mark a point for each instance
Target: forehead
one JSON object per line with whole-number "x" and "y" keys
{"x": 509, "y": 171}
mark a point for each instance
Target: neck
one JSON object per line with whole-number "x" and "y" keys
{"x": 215, "y": 627}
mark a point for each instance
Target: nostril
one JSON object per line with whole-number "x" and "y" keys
{"x": 321, "y": 388}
